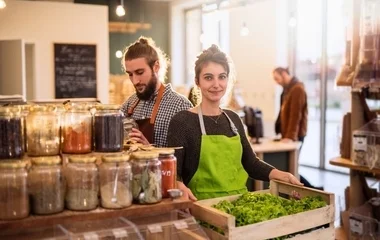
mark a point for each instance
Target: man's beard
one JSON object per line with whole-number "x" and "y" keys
{"x": 149, "y": 89}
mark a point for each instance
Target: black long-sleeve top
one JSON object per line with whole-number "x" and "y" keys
{"x": 184, "y": 130}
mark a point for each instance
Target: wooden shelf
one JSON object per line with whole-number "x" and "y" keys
{"x": 68, "y": 216}
{"x": 342, "y": 162}
{"x": 124, "y": 27}
{"x": 340, "y": 234}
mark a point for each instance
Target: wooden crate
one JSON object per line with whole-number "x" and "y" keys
{"x": 291, "y": 224}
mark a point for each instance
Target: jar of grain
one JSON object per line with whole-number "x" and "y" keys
{"x": 14, "y": 201}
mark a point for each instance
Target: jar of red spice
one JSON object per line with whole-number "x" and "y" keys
{"x": 77, "y": 129}
{"x": 168, "y": 169}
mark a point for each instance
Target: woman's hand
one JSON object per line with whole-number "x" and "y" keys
{"x": 276, "y": 174}
{"x": 187, "y": 194}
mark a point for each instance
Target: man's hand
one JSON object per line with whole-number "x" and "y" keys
{"x": 137, "y": 136}
{"x": 286, "y": 140}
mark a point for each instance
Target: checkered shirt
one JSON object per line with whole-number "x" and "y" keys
{"x": 171, "y": 103}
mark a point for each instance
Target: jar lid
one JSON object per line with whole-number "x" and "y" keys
{"x": 108, "y": 107}
{"x": 147, "y": 147}
{"x": 12, "y": 164}
{"x": 10, "y": 111}
{"x": 77, "y": 107}
{"x": 112, "y": 158}
{"x": 164, "y": 151}
{"x": 47, "y": 160}
{"x": 82, "y": 159}
{"x": 43, "y": 108}
{"x": 143, "y": 155}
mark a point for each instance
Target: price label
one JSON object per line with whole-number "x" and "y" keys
{"x": 360, "y": 143}
{"x": 356, "y": 226}
{"x": 90, "y": 236}
{"x": 120, "y": 233}
{"x": 155, "y": 228}
{"x": 180, "y": 225}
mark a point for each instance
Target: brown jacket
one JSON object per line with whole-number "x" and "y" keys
{"x": 294, "y": 112}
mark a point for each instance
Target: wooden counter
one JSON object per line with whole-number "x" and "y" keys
{"x": 269, "y": 147}
{"x": 67, "y": 216}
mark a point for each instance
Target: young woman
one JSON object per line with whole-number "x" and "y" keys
{"x": 216, "y": 158}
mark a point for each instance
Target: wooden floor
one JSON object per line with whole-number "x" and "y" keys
{"x": 340, "y": 234}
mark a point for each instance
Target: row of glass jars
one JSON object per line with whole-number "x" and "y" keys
{"x": 39, "y": 129}
{"x": 77, "y": 187}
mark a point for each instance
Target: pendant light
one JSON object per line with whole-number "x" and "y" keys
{"x": 244, "y": 31}
{"x": 120, "y": 11}
{"x": 2, "y": 4}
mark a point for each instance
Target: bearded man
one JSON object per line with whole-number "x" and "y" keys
{"x": 154, "y": 103}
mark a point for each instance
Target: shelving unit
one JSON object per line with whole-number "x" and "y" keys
{"x": 165, "y": 206}
{"x": 347, "y": 163}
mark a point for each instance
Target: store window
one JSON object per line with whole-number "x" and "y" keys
{"x": 318, "y": 74}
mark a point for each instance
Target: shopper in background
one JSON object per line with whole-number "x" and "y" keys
{"x": 217, "y": 157}
{"x": 291, "y": 122}
{"x": 154, "y": 103}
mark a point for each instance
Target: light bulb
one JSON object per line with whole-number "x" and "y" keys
{"x": 119, "y": 54}
{"x": 120, "y": 11}
{"x": 2, "y": 4}
{"x": 292, "y": 22}
{"x": 244, "y": 31}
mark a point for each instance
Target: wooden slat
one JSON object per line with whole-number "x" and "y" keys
{"x": 213, "y": 235}
{"x": 347, "y": 163}
{"x": 69, "y": 216}
{"x": 213, "y": 216}
{"x": 287, "y": 188}
{"x": 124, "y": 27}
{"x": 320, "y": 234}
{"x": 285, "y": 225}
{"x": 186, "y": 234}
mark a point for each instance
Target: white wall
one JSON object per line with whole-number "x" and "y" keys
{"x": 256, "y": 55}
{"x": 45, "y": 23}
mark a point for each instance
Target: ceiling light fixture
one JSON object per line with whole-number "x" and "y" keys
{"x": 119, "y": 54}
{"x": 120, "y": 11}
{"x": 2, "y": 4}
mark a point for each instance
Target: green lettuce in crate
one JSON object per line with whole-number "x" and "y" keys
{"x": 253, "y": 208}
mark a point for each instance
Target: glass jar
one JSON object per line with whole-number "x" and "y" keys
{"x": 43, "y": 130}
{"x": 128, "y": 124}
{"x": 77, "y": 130}
{"x": 108, "y": 125}
{"x": 146, "y": 169}
{"x": 115, "y": 181}
{"x": 11, "y": 133}
{"x": 14, "y": 200}
{"x": 82, "y": 183}
{"x": 168, "y": 169}
{"x": 46, "y": 185}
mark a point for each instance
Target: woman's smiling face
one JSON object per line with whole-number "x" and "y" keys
{"x": 213, "y": 81}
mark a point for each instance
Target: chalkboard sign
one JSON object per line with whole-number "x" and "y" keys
{"x": 75, "y": 70}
